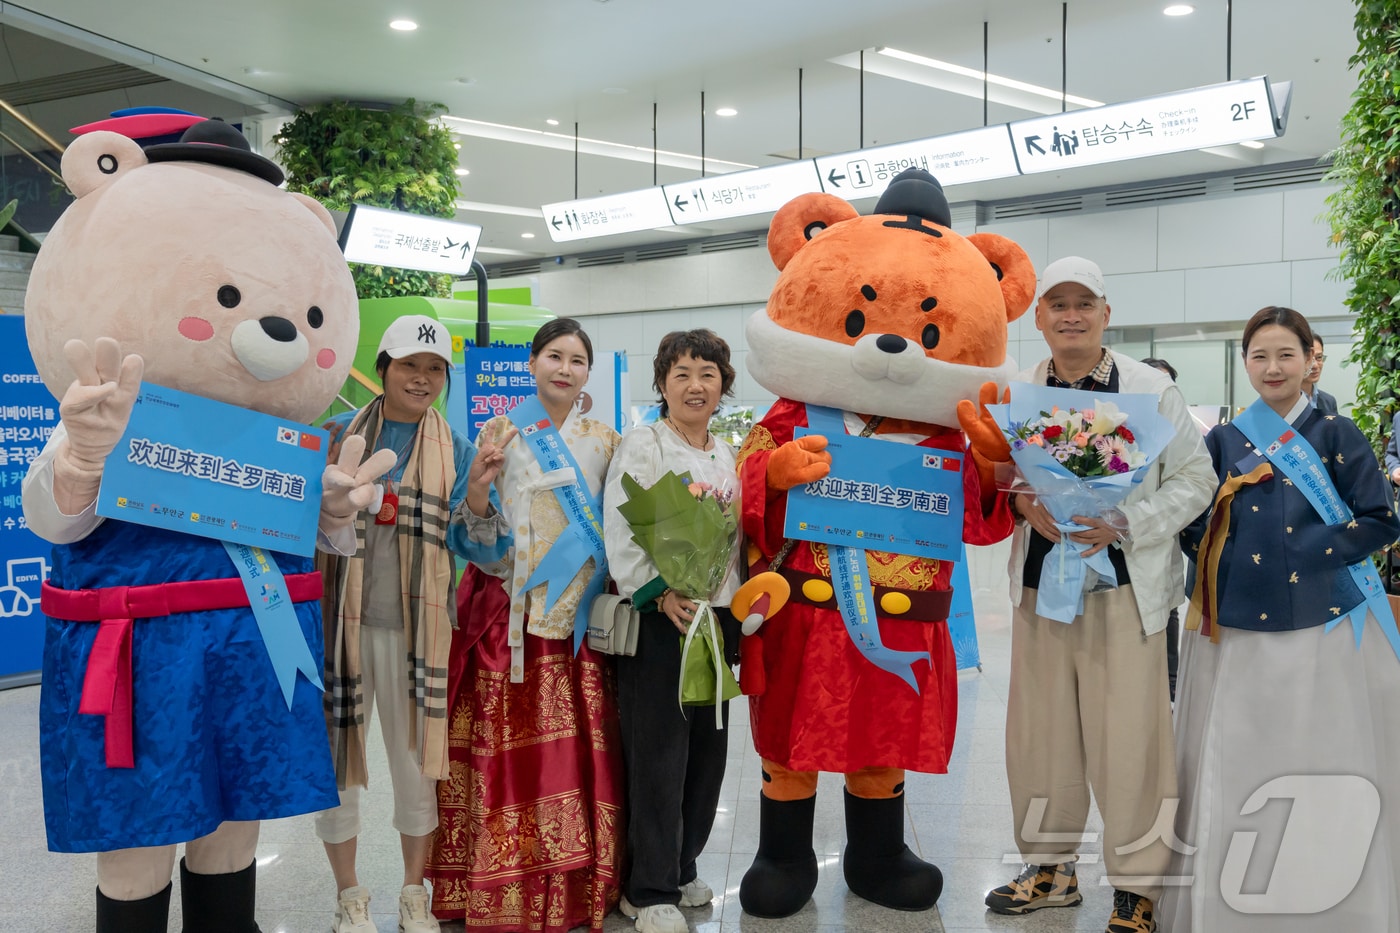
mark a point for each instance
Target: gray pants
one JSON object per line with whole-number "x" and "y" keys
{"x": 675, "y": 763}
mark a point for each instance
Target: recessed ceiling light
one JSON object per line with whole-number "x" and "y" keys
{"x": 1179, "y": 9}
{"x": 527, "y": 236}
{"x": 552, "y": 122}
{"x": 726, "y": 112}
{"x": 1252, "y": 144}
{"x": 463, "y": 171}
{"x": 403, "y": 25}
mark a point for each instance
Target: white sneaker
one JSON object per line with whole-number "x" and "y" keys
{"x": 696, "y": 894}
{"x": 352, "y": 912}
{"x": 414, "y": 916}
{"x": 661, "y": 918}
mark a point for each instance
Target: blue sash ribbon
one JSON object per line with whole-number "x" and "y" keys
{"x": 583, "y": 538}
{"x": 854, "y": 594}
{"x": 1292, "y": 455}
{"x": 276, "y": 617}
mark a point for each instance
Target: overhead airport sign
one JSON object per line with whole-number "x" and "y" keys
{"x": 739, "y": 194}
{"x": 1198, "y": 119}
{"x": 627, "y": 212}
{"x": 379, "y": 237}
{"x": 1217, "y": 115}
{"x": 956, "y": 159}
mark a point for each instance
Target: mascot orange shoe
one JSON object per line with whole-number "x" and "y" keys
{"x": 881, "y": 325}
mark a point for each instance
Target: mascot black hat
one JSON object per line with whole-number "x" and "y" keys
{"x": 217, "y": 143}
{"x": 916, "y": 193}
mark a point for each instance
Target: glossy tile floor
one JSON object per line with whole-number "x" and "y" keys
{"x": 961, "y": 821}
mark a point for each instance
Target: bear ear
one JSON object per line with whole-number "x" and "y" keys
{"x": 799, "y": 220}
{"x": 317, "y": 208}
{"x": 97, "y": 159}
{"x": 1014, "y": 271}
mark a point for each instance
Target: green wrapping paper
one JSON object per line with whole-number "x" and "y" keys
{"x": 689, "y": 534}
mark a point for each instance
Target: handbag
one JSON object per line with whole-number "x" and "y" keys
{"x": 613, "y": 625}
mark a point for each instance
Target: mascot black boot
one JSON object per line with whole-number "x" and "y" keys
{"x": 878, "y": 865}
{"x": 218, "y": 903}
{"x": 148, "y": 915}
{"x": 784, "y": 872}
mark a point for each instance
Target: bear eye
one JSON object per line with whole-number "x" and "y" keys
{"x": 930, "y": 337}
{"x": 855, "y": 323}
{"x": 229, "y": 296}
{"x": 997, "y": 269}
{"x": 315, "y": 317}
{"x": 929, "y": 303}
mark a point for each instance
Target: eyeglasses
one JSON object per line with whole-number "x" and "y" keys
{"x": 1321, "y": 357}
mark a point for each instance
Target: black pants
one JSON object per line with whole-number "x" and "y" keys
{"x": 675, "y": 762}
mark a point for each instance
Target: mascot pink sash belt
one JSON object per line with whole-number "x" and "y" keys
{"x": 107, "y": 681}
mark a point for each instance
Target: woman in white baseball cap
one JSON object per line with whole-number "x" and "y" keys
{"x": 390, "y": 616}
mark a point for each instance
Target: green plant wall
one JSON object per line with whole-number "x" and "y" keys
{"x": 342, "y": 154}
{"x": 1365, "y": 214}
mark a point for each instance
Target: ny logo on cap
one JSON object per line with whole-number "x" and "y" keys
{"x": 427, "y": 333}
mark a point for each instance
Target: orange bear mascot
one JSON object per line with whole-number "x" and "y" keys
{"x": 880, "y": 325}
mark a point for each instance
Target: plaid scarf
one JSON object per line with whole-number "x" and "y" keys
{"x": 428, "y": 581}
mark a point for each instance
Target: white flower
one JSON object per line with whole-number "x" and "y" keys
{"x": 1107, "y": 417}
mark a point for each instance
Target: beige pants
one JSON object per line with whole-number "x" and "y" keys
{"x": 135, "y": 874}
{"x": 1088, "y": 709}
{"x": 384, "y": 680}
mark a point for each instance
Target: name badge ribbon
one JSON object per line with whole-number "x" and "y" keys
{"x": 583, "y": 538}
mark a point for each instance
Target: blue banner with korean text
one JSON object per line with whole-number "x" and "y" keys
{"x": 28, "y": 414}
{"x": 882, "y": 496}
{"x": 202, "y": 467}
{"x": 494, "y": 380}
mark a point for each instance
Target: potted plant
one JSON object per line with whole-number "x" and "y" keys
{"x": 396, "y": 157}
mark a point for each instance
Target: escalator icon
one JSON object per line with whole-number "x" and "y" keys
{"x": 20, "y": 595}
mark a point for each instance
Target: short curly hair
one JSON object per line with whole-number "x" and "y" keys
{"x": 702, "y": 344}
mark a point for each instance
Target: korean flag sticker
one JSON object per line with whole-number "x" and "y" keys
{"x": 933, "y": 462}
{"x": 288, "y": 436}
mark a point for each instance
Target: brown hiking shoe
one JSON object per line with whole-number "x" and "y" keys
{"x": 1132, "y": 913}
{"x": 1038, "y": 886}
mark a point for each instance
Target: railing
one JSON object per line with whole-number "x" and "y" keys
{"x": 30, "y": 161}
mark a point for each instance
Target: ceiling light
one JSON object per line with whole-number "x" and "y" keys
{"x": 552, "y": 122}
{"x": 726, "y": 112}
{"x": 1252, "y": 144}
{"x": 546, "y": 139}
{"x": 991, "y": 79}
{"x": 403, "y": 25}
{"x": 1179, "y": 9}
{"x": 462, "y": 171}
{"x": 527, "y": 236}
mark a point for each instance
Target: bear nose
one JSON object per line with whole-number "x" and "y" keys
{"x": 891, "y": 343}
{"x": 279, "y": 328}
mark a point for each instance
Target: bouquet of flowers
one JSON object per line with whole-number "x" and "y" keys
{"x": 1081, "y": 453}
{"x": 689, "y": 530}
